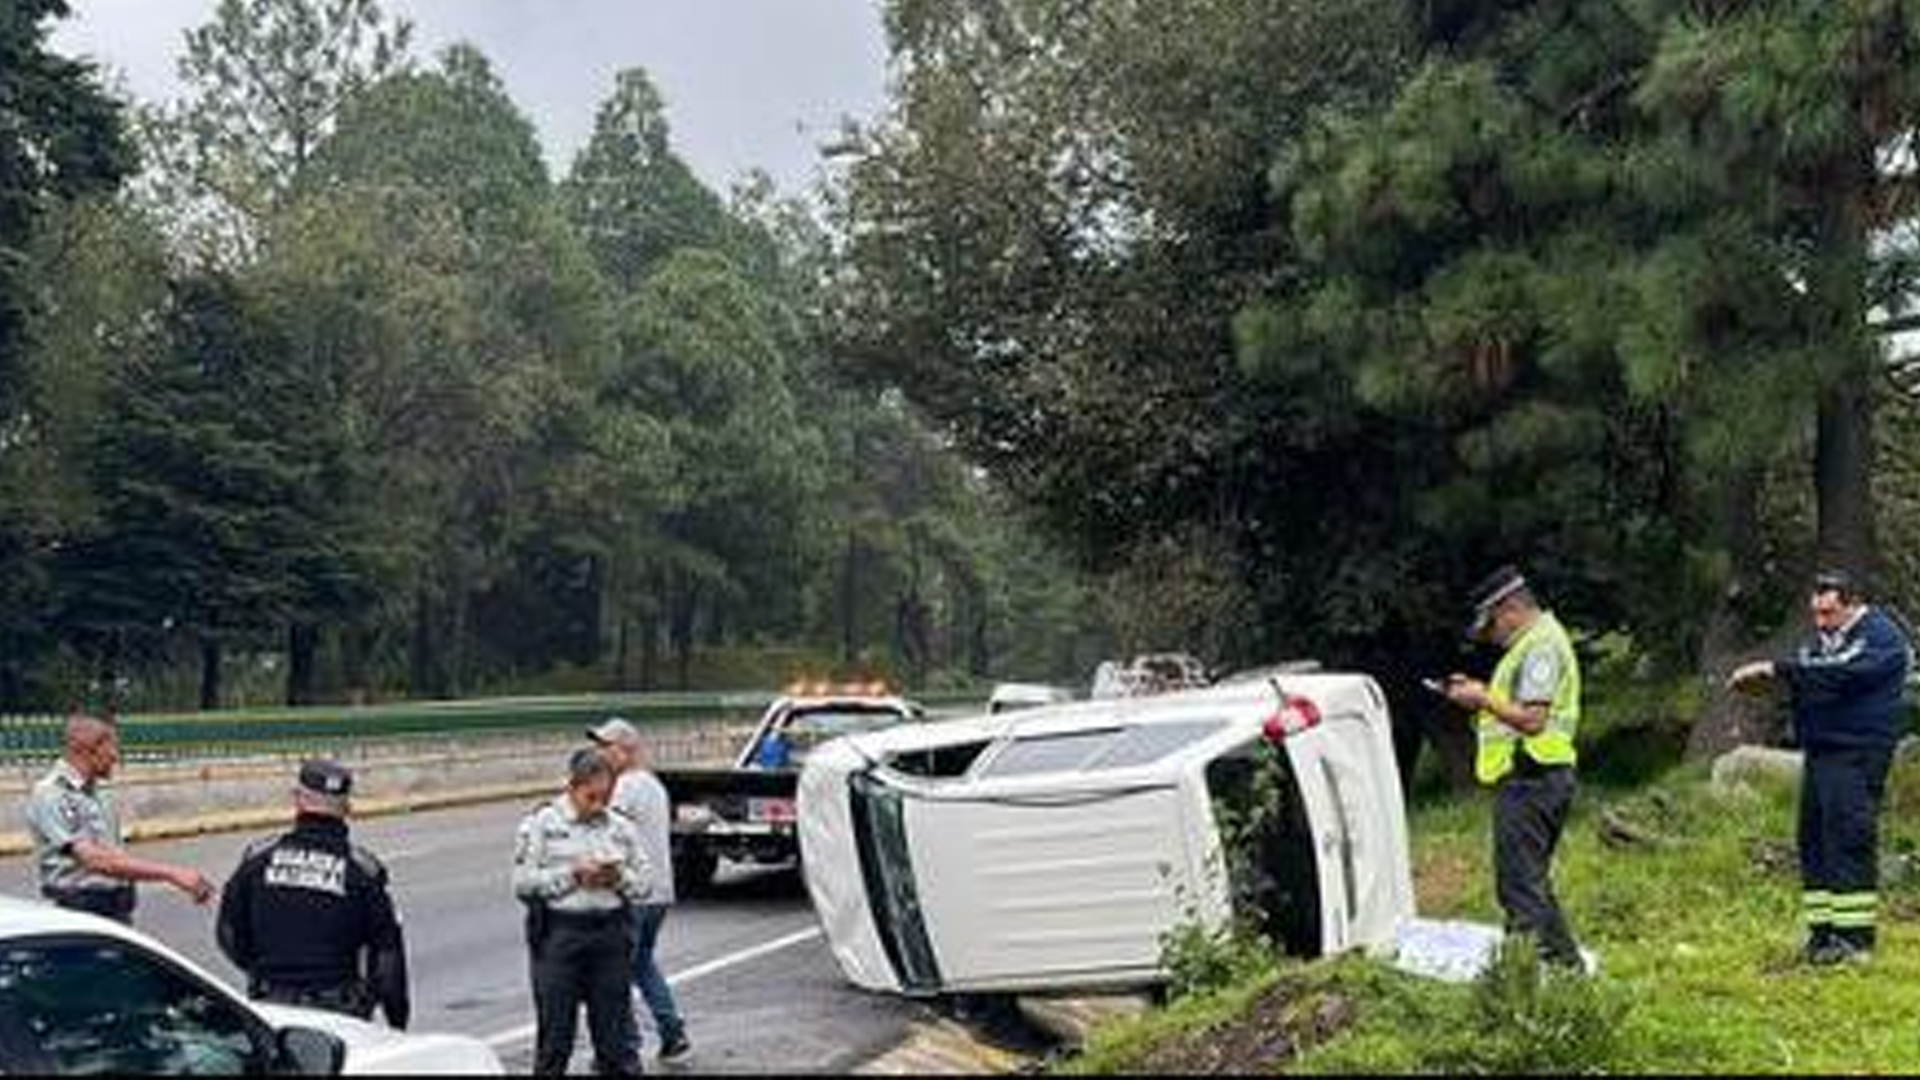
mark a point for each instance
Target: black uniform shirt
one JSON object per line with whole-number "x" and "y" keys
{"x": 303, "y": 908}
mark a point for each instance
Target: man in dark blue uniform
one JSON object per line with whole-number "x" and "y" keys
{"x": 308, "y": 917}
{"x": 1848, "y": 687}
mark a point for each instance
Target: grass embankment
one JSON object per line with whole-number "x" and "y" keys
{"x": 1690, "y": 897}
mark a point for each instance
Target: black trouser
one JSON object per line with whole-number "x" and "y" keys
{"x": 351, "y": 997}
{"x": 1529, "y": 813}
{"x": 1840, "y": 792}
{"x": 110, "y": 903}
{"x": 585, "y": 959}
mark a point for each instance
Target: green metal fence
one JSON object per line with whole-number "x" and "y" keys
{"x": 161, "y": 737}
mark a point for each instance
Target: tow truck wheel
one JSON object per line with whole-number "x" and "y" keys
{"x": 693, "y": 871}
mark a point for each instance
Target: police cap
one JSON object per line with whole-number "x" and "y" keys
{"x": 1487, "y": 595}
{"x": 328, "y": 779}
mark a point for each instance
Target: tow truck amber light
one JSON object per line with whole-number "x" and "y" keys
{"x": 803, "y": 688}
{"x": 1297, "y": 714}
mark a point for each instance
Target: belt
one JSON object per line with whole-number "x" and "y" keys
{"x": 1524, "y": 767}
{"x": 590, "y": 920}
{"x": 347, "y": 995}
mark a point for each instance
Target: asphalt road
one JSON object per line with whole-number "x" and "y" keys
{"x": 760, "y": 992}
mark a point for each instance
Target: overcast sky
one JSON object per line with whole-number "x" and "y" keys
{"x": 748, "y": 82}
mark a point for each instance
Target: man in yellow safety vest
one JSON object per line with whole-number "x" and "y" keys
{"x": 1525, "y": 717}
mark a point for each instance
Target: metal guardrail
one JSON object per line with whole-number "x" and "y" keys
{"x": 171, "y": 736}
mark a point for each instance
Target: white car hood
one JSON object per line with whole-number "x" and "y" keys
{"x": 374, "y": 1049}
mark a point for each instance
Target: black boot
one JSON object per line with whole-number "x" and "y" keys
{"x": 1819, "y": 946}
{"x": 1858, "y": 941}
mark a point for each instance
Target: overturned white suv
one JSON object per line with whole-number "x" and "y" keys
{"x": 1055, "y": 848}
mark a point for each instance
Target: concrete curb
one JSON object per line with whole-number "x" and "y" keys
{"x": 942, "y": 1048}
{"x": 1071, "y": 1021}
{"x": 240, "y": 820}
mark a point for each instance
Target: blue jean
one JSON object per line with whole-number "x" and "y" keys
{"x": 646, "y": 973}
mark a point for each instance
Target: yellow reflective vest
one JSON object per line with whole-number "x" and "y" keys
{"x": 1554, "y": 744}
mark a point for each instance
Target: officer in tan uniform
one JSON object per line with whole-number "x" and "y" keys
{"x": 580, "y": 870}
{"x": 78, "y": 847}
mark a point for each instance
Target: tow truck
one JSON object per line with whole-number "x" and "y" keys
{"x": 744, "y": 811}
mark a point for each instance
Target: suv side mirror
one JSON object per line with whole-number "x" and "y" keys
{"x": 307, "y": 1052}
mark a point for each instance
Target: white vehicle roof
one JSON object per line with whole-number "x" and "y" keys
{"x": 371, "y": 1048}
{"x": 1239, "y": 703}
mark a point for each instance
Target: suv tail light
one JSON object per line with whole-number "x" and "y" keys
{"x": 1296, "y": 715}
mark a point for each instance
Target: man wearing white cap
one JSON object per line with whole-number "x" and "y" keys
{"x": 641, "y": 797}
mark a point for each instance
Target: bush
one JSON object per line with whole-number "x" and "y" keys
{"x": 1203, "y": 961}
{"x": 1529, "y": 1019}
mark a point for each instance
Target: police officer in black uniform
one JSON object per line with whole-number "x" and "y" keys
{"x": 308, "y": 917}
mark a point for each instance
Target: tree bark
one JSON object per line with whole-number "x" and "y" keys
{"x": 849, "y": 601}
{"x": 460, "y": 642}
{"x": 423, "y": 661}
{"x": 979, "y": 646}
{"x": 303, "y": 644}
{"x": 685, "y": 607}
{"x": 621, "y": 653}
{"x": 1843, "y": 458}
{"x": 356, "y": 658}
{"x": 650, "y": 636}
{"x": 1730, "y": 719}
{"x": 210, "y": 656}
{"x": 1843, "y": 469}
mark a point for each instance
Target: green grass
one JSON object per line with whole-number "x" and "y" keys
{"x": 1698, "y": 932}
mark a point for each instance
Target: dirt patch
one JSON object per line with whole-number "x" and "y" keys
{"x": 1439, "y": 881}
{"x": 1282, "y": 1022}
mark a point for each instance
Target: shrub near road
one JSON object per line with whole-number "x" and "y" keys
{"x": 1690, "y": 898}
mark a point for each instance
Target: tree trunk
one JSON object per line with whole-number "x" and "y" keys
{"x": 650, "y": 650}
{"x": 1843, "y": 471}
{"x": 303, "y": 644}
{"x": 621, "y": 653}
{"x": 650, "y": 632}
{"x": 423, "y": 661}
{"x": 979, "y": 647}
{"x": 460, "y": 644}
{"x": 1730, "y": 719}
{"x": 1843, "y": 459}
{"x": 849, "y": 601}
{"x": 685, "y": 607}
{"x": 356, "y": 657}
{"x": 210, "y": 655}
{"x": 109, "y": 680}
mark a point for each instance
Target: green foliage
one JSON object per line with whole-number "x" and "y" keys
{"x": 71, "y": 297}
{"x": 352, "y": 382}
{"x": 267, "y": 82}
{"x": 1047, "y": 241}
{"x": 1200, "y": 961}
{"x": 631, "y": 197}
{"x": 1204, "y": 957}
{"x": 1689, "y": 897}
{"x": 1527, "y": 1020}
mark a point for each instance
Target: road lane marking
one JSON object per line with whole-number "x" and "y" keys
{"x": 693, "y": 974}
